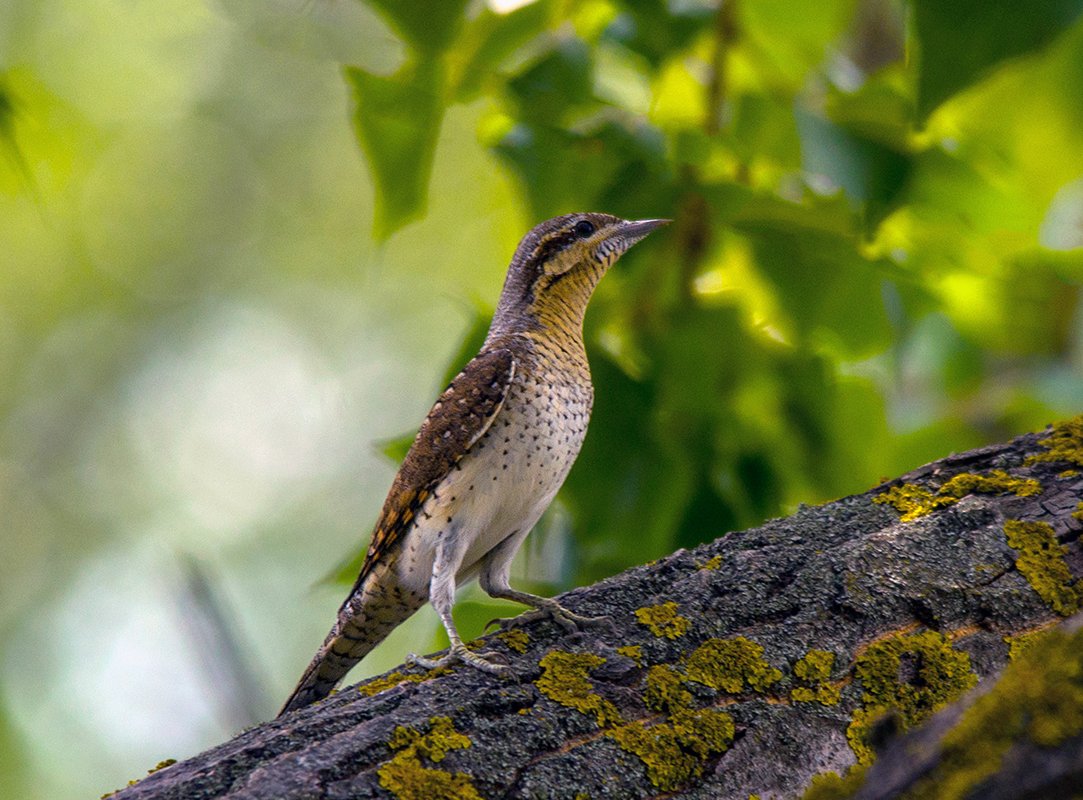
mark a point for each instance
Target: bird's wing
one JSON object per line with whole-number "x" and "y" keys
{"x": 458, "y": 419}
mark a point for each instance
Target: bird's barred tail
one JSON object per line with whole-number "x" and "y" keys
{"x": 365, "y": 620}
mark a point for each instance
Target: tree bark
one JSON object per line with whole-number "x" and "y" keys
{"x": 1020, "y": 736}
{"x": 744, "y": 667}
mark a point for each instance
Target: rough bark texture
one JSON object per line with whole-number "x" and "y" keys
{"x": 746, "y": 666}
{"x": 1017, "y": 737}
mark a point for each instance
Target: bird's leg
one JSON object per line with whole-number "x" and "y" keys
{"x": 494, "y": 580}
{"x": 442, "y": 597}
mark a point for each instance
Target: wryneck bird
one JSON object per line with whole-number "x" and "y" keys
{"x": 489, "y": 457}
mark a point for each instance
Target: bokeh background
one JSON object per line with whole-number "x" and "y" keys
{"x": 242, "y": 243}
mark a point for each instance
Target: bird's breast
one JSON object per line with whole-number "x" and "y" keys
{"x": 517, "y": 467}
{"x": 512, "y": 473}
{"x": 539, "y": 431}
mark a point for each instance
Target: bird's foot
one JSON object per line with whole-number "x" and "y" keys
{"x": 460, "y": 655}
{"x": 553, "y": 610}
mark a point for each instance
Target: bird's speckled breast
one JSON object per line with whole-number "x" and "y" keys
{"x": 514, "y": 470}
{"x": 541, "y": 427}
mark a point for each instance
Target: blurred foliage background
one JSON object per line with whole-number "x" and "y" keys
{"x": 242, "y": 242}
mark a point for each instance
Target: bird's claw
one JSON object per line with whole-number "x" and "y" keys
{"x": 460, "y": 655}
{"x": 568, "y": 620}
{"x": 414, "y": 660}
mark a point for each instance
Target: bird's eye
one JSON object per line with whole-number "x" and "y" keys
{"x": 584, "y": 228}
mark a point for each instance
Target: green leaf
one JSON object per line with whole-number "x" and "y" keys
{"x": 1040, "y": 307}
{"x": 7, "y": 114}
{"x": 559, "y": 81}
{"x": 489, "y": 41}
{"x": 719, "y": 408}
{"x": 787, "y": 44}
{"x": 763, "y": 129}
{"x": 872, "y": 174}
{"x": 656, "y": 30}
{"x": 864, "y": 145}
{"x": 609, "y": 166}
{"x": 397, "y": 120}
{"x": 396, "y": 448}
{"x": 962, "y": 40}
{"x": 882, "y": 109}
{"x": 427, "y": 26}
{"x": 8, "y": 140}
{"x": 821, "y": 280}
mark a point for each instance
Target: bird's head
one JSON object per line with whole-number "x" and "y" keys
{"x": 558, "y": 264}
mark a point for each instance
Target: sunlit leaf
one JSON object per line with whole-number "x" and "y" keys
{"x": 489, "y": 40}
{"x": 788, "y": 43}
{"x": 429, "y": 27}
{"x": 397, "y": 120}
{"x": 821, "y": 280}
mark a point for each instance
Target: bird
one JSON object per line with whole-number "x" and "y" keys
{"x": 488, "y": 459}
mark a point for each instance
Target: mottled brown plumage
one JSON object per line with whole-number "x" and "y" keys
{"x": 457, "y": 420}
{"x": 490, "y": 455}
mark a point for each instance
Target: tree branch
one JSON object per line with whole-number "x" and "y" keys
{"x": 746, "y": 666}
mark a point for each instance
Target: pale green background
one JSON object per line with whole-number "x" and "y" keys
{"x": 203, "y": 347}
{"x": 201, "y": 344}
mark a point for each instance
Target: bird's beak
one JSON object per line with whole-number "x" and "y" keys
{"x": 631, "y": 232}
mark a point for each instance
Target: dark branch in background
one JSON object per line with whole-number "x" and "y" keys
{"x": 693, "y": 218}
{"x": 879, "y": 35}
{"x": 751, "y": 665}
{"x": 237, "y": 689}
{"x": 726, "y": 32}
